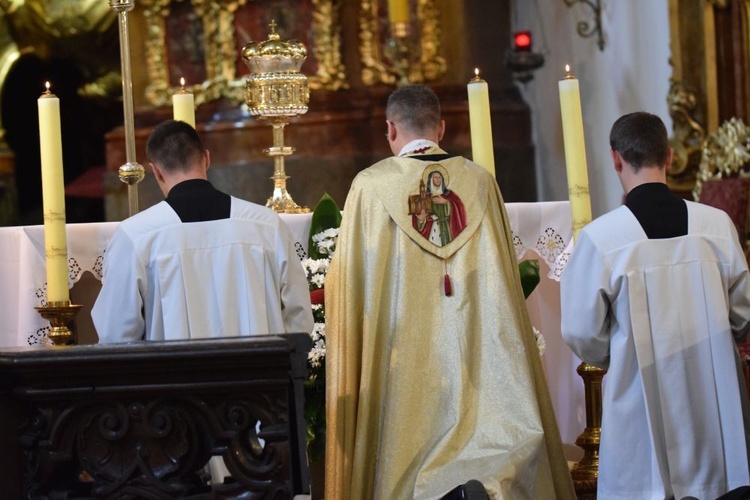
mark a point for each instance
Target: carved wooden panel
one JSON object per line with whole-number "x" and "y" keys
{"x": 142, "y": 420}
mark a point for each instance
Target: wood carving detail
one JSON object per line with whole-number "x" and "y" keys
{"x": 157, "y": 447}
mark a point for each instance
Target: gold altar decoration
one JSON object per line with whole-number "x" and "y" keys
{"x": 687, "y": 138}
{"x": 586, "y": 471}
{"x": 131, "y": 173}
{"x": 213, "y": 47}
{"x": 405, "y": 53}
{"x": 694, "y": 85}
{"x": 277, "y": 91}
{"x": 726, "y": 153}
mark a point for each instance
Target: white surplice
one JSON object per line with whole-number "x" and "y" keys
{"x": 662, "y": 316}
{"x": 229, "y": 277}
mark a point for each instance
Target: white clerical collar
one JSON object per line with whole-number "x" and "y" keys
{"x": 417, "y": 146}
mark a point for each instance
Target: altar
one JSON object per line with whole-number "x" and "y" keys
{"x": 541, "y": 231}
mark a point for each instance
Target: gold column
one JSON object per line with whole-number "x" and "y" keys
{"x": 131, "y": 173}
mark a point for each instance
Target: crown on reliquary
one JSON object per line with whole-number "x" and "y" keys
{"x": 274, "y": 55}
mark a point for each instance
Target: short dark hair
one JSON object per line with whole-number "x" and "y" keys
{"x": 641, "y": 138}
{"x": 414, "y": 107}
{"x": 174, "y": 145}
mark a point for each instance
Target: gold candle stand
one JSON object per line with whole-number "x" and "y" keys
{"x": 59, "y": 314}
{"x": 131, "y": 173}
{"x": 281, "y": 201}
{"x": 586, "y": 471}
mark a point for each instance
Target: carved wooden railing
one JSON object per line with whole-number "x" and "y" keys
{"x": 142, "y": 420}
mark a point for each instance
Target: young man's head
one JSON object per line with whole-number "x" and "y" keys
{"x": 641, "y": 140}
{"x": 413, "y": 112}
{"x": 176, "y": 153}
{"x": 174, "y": 146}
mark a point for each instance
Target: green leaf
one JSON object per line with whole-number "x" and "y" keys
{"x": 326, "y": 215}
{"x": 529, "y": 270}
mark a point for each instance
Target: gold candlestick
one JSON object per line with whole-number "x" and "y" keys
{"x": 59, "y": 314}
{"x": 586, "y": 471}
{"x": 277, "y": 91}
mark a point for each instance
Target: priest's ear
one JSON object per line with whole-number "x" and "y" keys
{"x": 207, "y": 158}
{"x": 441, "y": 131}
{"x": 158, "y": 174}
{"x": 668, "y": 163}
{"x": 616, "y": 160}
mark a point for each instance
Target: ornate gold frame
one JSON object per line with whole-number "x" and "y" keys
{"x": 375, "y": 69}
{"x": 693, "y": 95}
{"x": 218, "y": 26}
{"x": 158, "y": 91}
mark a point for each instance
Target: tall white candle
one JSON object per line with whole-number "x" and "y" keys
{"x": 575, "y": 151}
{"x": 183, "y": 105}
{"x": 53, "y": 192}
{"x": 482, "y": 149}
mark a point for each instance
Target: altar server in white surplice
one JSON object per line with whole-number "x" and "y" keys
{"x": 434, "y": 382}
{"x": 657, "y": 292}
{"x": 200, "y": 263}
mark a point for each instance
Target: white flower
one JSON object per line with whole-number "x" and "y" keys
{"x": 318, "y": 280}
{"x": 325, "y": 241}
{"x": 540, "y": 343}
{"x": 318, "y": 351}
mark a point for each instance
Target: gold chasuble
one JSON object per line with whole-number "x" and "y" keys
{"x": 433, "y": 373}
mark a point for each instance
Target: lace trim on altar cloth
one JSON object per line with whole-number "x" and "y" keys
{"x": 550, "y": 246}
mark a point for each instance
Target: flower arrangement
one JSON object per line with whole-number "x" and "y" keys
{"x": 324, "y": 231}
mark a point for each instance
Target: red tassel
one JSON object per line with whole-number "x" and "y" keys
{"x": 448, "y": 286}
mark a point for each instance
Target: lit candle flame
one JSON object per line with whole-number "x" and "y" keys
{"x": 476, "y": 72}
{"x": 182, "y": 82}
{"x": 47, "y": 85}
{"x": 567, "y": 68}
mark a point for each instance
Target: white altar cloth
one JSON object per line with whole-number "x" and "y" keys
{"x": 540, "y": 230}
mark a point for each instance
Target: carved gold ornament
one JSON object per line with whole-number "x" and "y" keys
{"x": 426, "y": 64}
{"x": 215, "y": 50}
{"x": 687, "y": 140}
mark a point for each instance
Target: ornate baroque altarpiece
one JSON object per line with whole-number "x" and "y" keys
{"x": 379, "y": 64}
{"x": 710, "y": 45}
{"x": 201, "y": 41}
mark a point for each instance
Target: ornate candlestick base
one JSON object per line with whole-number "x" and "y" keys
{"x": 281, "y": 201}
{"x": 586, "y": 471}
{"x": 58, "y": 314}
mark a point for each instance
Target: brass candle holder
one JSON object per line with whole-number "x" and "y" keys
{"x": 586, "y": 471}
{"x": 277, "y": 91}
{"x": 59, "y": 314}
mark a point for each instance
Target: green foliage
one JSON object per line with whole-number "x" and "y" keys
{"x": 326, "y": 215}
{"x": 529, "y": 270}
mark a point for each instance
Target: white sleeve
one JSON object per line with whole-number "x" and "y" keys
{"x": 739, "y": 289}
{"x": 585, "y": 303}
{"x": 295, "y": 292}
{"x": 118, "y": 311}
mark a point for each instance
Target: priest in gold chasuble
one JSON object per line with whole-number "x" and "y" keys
{"x": 434, "y": 377}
